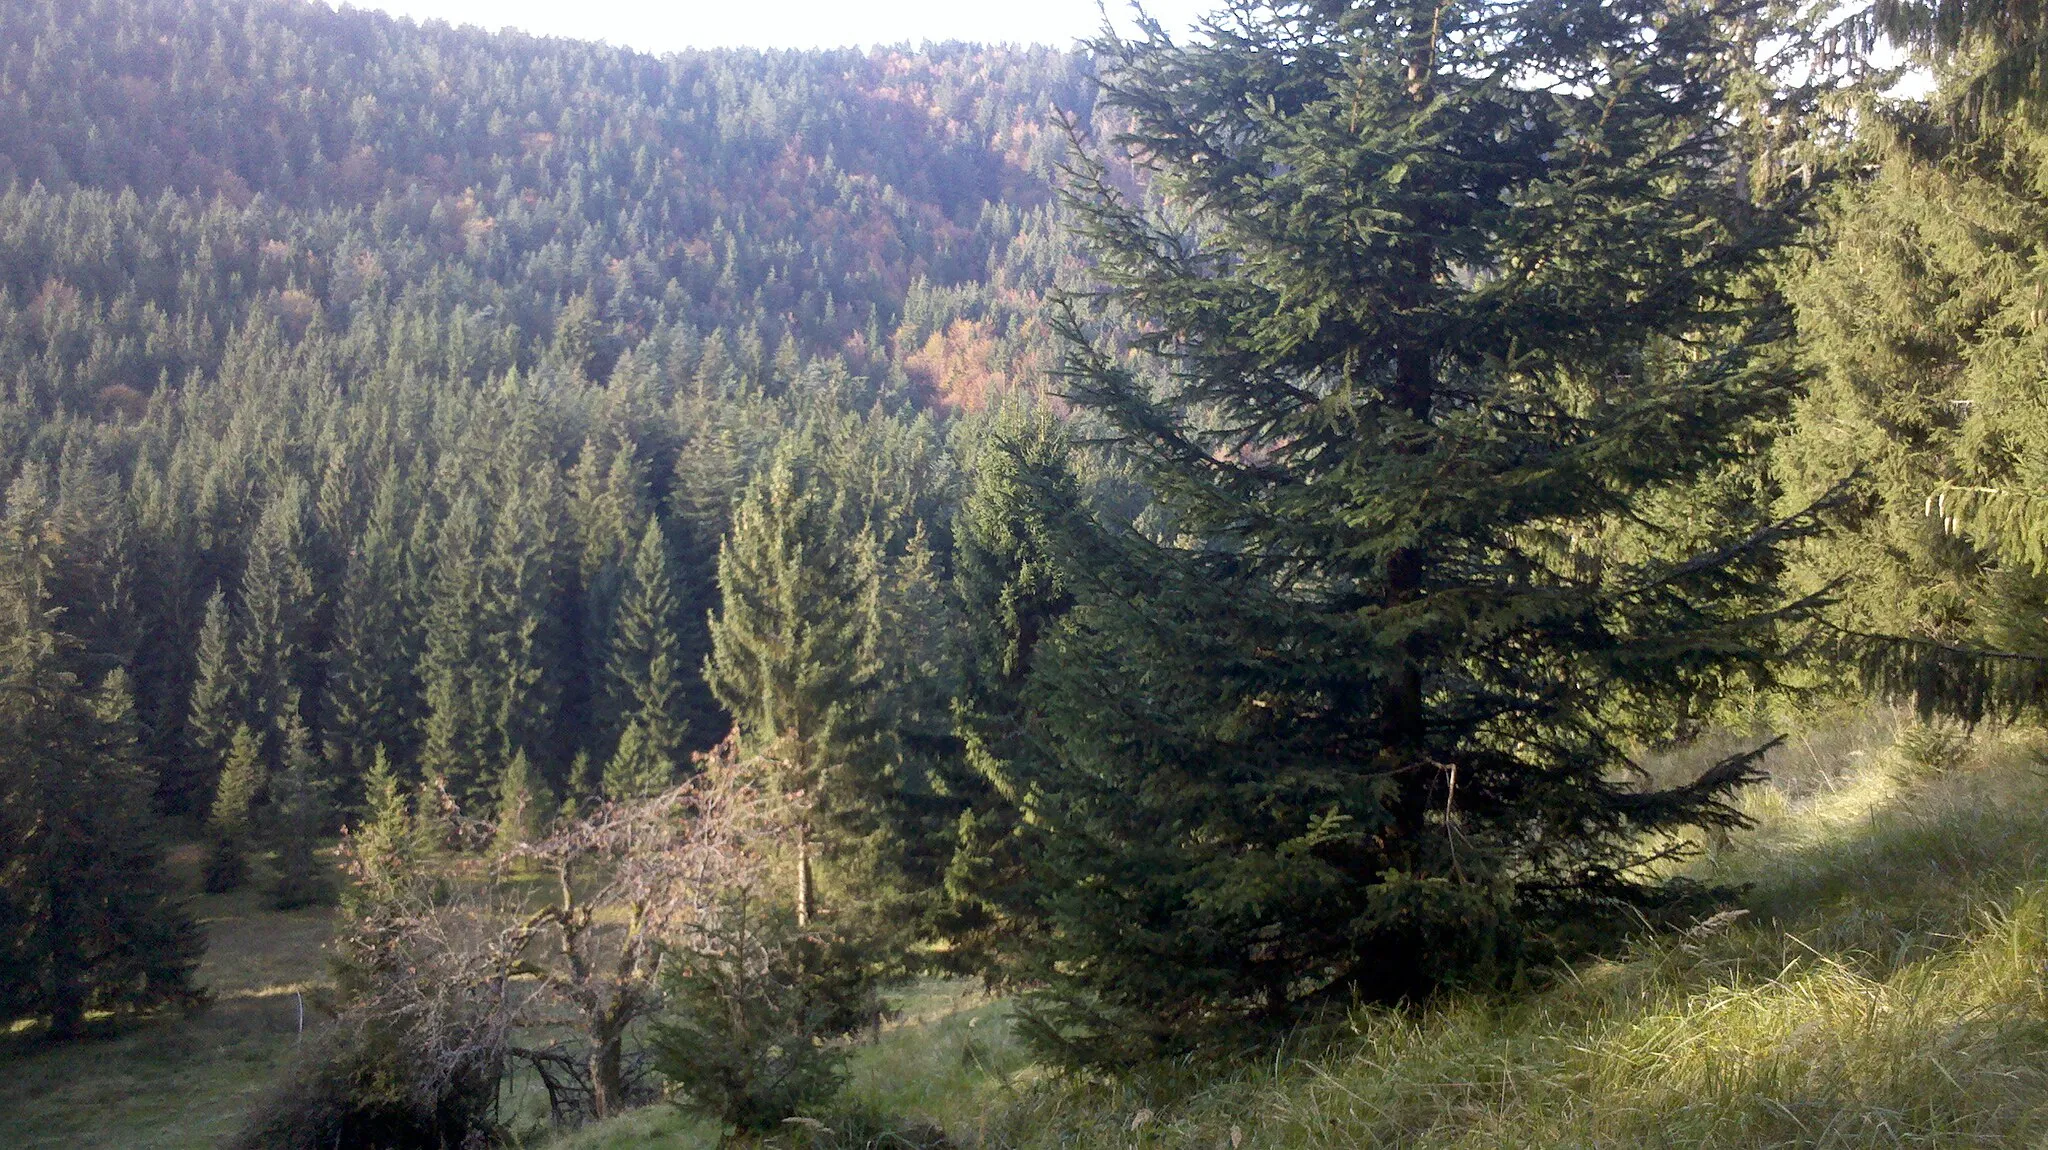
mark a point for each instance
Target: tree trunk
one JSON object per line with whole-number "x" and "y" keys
{"x": 607, "y": 1071}
{"x": 806, "y": 891}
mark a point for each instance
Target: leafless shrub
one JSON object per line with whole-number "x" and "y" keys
{"x": 548, "y": 953}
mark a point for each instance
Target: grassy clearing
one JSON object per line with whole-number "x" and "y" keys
{"x": 180, "y": 1080}
{"x": 1887, "y": 987}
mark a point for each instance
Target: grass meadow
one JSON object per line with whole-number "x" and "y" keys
{"x": 1884, "y": 982}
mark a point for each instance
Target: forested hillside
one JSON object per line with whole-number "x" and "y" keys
{"x": 1202, "y": 536}
{"x": 306, "y": 310}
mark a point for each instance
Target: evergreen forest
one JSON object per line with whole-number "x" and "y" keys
{"x": 1378, "y": 573}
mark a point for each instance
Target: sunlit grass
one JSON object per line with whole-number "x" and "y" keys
{"x": 179, "y": 1080}
{"x": 1885, "y": 988}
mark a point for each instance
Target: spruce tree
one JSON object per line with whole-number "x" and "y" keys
{"x": 1443, "y": 300}
{"x": 230, "y": 824}
{"x": 216, "y": 703}
{"x": 371, "y": 691}
{"x": 1921, "y": 322}
{"x": 278, "y": 602}
{"x": 525, "y": 806}
{"x": 637, "y": 769}
{"x": 645, "y": 665}
{"x": 299, "y": 818}
{"x": 792, "y": 657}
{"x": 1010, "y": 592}
{"x": 386, "y": 843}
{"x": 455, "y": 729}
{"x": 88, "y": 920}
{"x": 520, "y": 630}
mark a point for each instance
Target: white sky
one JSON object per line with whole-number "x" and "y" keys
{"x": 671, "y": 25}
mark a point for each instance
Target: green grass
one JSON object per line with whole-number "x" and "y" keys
{"x": 1888, "y": 986}
{"x": 1884, "y": 988}
{"x": 181, "y": 1080}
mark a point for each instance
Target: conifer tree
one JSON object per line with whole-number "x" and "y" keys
{"x": 300, "y": 816}
{"x": 88, "y": 919}
{"x": 524, "y": 804}
{"x": 371, "y": 689}
{"x": 637, "y": 769}
{"x": 792, "y": 656}
{"x": 387, "y": 844}
{"x": 455, "y": 733}
{"x": 1349, "y": 710}
{"x": 230, "y": 824}
{"x": 611, "y": 514}
{"x": 522, "y": 689}
{"x": 1921, "y": 322}
{"x": 1010, "y": 592}
{"x": 216, "y": 705}
{"x": 645, "y": 665}
{"x": 278, "y": 601}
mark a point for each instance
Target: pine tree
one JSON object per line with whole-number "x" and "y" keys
{"x": 525, "y": 806}
{"x": 230, "y": 825}
{"x": 1347, "y": 710}
{"x": 645, "y": 666}
{"x": 300, "y": 818}
{"x": 216, "y": 706}
{"x": 371, "y": 691}
{"x": 278, "y": 602}
{"x": 792, "y": 656}
{"x": 88, "y": 920}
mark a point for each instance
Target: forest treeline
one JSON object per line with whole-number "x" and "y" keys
{"x": 1203, "y": 530}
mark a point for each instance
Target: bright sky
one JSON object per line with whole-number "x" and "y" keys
{"x": 671, "y": 25}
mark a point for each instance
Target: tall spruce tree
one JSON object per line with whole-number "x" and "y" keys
{"x": 1010, "y": 592}
{"x": 1444, "y": 300}
{"x": 299, "y": 816}
{"x": 88, "y": 918}
{"x": 1924, "y": 326}
{"x": 274, "y": 641}
{"x": 520, "y": 631}
{"x": 371, "y": 689}
{"x": 216, "y": 695}
{"x": 792, "y": 658}
{"x": 645, "y": 659}
{"x": 455, "y": 729}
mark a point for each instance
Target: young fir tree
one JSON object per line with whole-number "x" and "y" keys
{"x": 525, "y": 805}
{"x": 230, "y": 822}
{"x": 300, "y": 817}
{"x": 386, "y": 844}
{"x": 792, "y": 658}
{"x": 1442, "y": 297}
{"x": 88, "y": 919}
